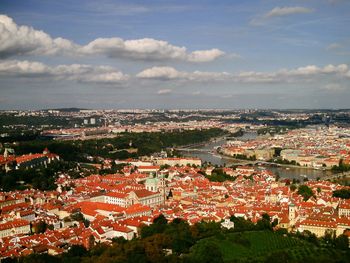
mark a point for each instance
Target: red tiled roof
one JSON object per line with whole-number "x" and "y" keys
{"x": 14, "y": 224}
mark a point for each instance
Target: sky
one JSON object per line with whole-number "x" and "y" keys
{"x": 269, "y": 54}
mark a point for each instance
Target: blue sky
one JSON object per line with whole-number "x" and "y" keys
{"x": 175, "y": 54}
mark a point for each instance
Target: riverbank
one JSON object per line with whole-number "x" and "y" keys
{"x": 267, "y": 163}
{"x": 206, "y": 154}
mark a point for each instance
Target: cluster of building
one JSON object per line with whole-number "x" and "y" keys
{"x": 98, "y": 208}
{"x": 112, "y": 130}
{"x": 10, "y": 161}
{"x": 315, "y": 147}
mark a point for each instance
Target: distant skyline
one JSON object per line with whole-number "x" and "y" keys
{"x": 175, "y": 54}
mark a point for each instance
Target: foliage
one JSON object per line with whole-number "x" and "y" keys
{"x": 342, "y": 242}
{"x": 40, "y": 227}
{"x": 179, "y": 242}
{"x": 78, "y": 216}
{"x": 218, "y": 175}
{"x": 283, "y": 161}
{"x": 342, "y": 193}
{"x": 208, "y": 251}
{"x": 292, "y": 187}
{"x": 305, "y": 191}
{"x": 116, "y": 148}
{"x": 42, "y": 178}
{"x": 264, "y": 223}
{"x": 241, "y": 224}
{"x": 342, "y": 167}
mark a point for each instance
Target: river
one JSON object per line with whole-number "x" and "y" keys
{"x": 283, "y": 172}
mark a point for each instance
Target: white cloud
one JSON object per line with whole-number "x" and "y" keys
{"x": 162, "y": 73}
{"x": 75, "y": 72}
{"x": 109, "y": 75}
{"x": 307, "y": 73}
{"x": 279, "y": 12}
{"x": 164, "y": 91}
{"x": 169, "y": 73}
{"x": 147, "y": 49}
{"x": 205, "y": 55}
{"x": 18, "y": 40}
{"x": 284, "y": 11}
{"x": 310, "y": 70}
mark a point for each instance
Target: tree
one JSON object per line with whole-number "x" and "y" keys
{"x": 181, "y": 236}
{"x": 40, "y": 227}
{"x": 205, "y": 229}
{"x": 91, "y": 241}
{"x": 76, "y": 251}
{"x": 241, "y": 224}
{"x": 305, "y": 192}
{"x": 158, "y": 226}
{"x": 274, "y": 223}
{"x": 78, "y": 216}
{"x": 264, "y": 222}
{"x": 292, "y": 187}
{"x": 342, "y": 242}
{"x": 342, "y": 167}
{"x": 342, "y": 193}
{"x": 154, "y": 247}
{"x": 160, "y": 220}
{"x": 205, "y": 252}
{"x": 86, "y": 222}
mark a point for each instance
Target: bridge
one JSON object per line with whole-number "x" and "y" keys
{"x": 187, "y": 148}
{"x": 193, "y": 150}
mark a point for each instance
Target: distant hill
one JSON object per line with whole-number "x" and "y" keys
{"x": 68, "y": 109}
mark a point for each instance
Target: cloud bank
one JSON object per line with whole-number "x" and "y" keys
{"x": 25, "y": 40}
{"x": 307, "y": 73}
{"x": 110, "y": 75}
{"x": 75, "y": 72}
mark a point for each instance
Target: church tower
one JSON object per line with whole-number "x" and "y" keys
{"x": 291, "y": 214}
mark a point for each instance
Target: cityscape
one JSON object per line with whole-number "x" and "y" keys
{"x": 174, "y": 131}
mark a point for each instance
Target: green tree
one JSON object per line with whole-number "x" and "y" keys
{"x": 205, "y": 252}
{"x": 342, "y": 193}
{"x": 264, "y": 222}
{"x": 78, "y": 216}
{"x": 342, "y": 242}
{"x": 158, "y": 226}
{"x": 305, "y": 192}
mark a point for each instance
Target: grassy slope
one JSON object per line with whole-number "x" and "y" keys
{"x": 256, "y": 246}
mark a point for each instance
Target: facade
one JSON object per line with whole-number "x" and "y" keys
{"x": 15, "y": 227}
{"x": 319, "y": 228}
{"x": 144, "y": 197}
{"x": 114, "y": 198}
{"x": 27, "y": 161}
{"x": 344, "y": 208}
